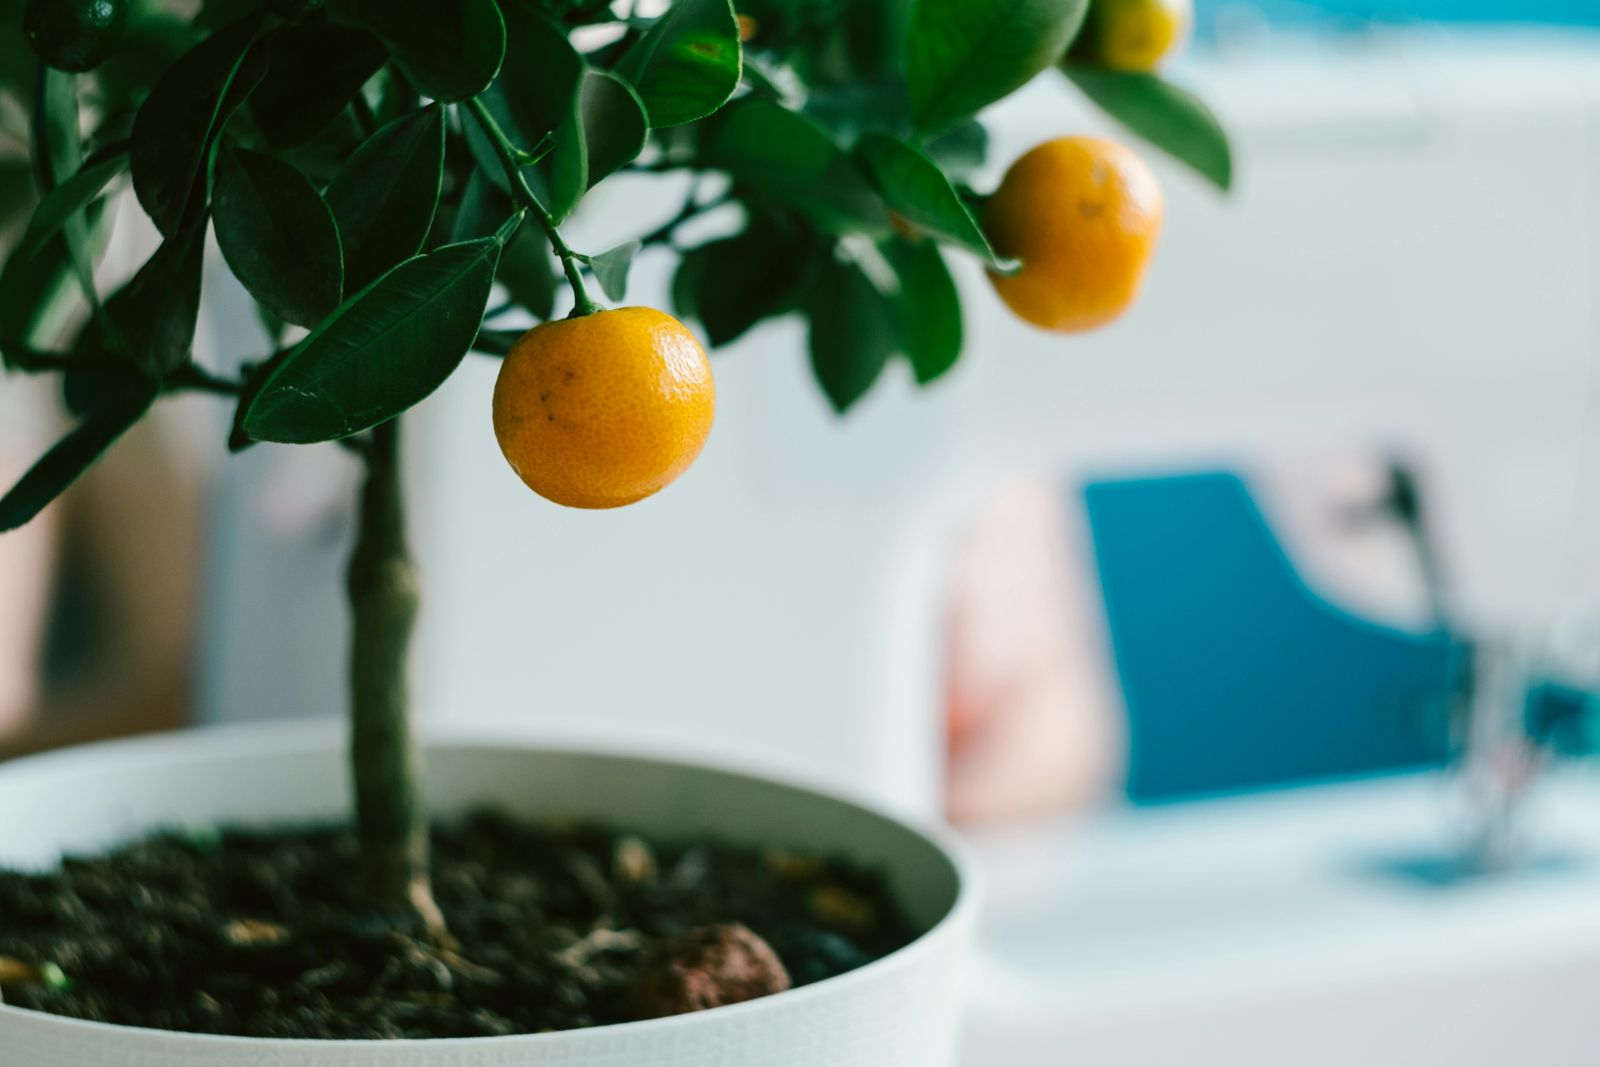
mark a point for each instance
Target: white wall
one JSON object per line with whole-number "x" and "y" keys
{"x": 1409, "y": 257}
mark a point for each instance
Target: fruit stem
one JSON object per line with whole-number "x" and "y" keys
{"x": 509, "y": 155}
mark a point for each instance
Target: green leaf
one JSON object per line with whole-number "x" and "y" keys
{"x": 611, "y": 269}
{"x": 483, "y": 208}
{"x": 36, "y": 291}
{"x": 686, "y": 283}
{"x": 16, "y": 191}
{"x": 1170, "y": 118}
{"x": 960, "y": 150}
{"x": 687, "y": 65}
{"x": 155, "y": 313}
{"x": 852, "y": 333}
{"x": 153, "y": 42}
{"x": 278, "y": 236}
{"x": 385, "y": 196}
{"x": 183, "y": 116}
{"x": 496, "y": 342}
{"x": 732, "y": 284}
{"x": 915, "y": 187}
{"x": 614, "y": 124}
{"x": 527, "y": 267}
{"x": 565, "y": 172}
{"x": 541, "y": 85}
{"x": 75, "y": 454}
{"x": 927, "y": 308}
{"x": 785, "y": 155}
{"x": 478, "y": 142}
{"x": 68, "y": 199}
{"x": 57, "y": 151}
{"x": 528, "y": 271}
{"x": 963, "y": 55}
{"x": 384, "y": 350}
{"x": 316, "y": 70}
{"x": 55, "y": 147}
{"x": 450, "y": 49}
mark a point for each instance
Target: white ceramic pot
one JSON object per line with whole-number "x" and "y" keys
{"x": 901, "y": 1011}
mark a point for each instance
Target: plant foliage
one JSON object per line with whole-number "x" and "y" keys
{"x": 366, "y": 167}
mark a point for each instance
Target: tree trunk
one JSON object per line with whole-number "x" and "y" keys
{"x": 390, "y": 818}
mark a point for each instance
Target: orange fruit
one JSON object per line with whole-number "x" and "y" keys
{"x": 603, "y": 410}
{"x": 1082, "y": 216}
{"x": 1134, "y": 35}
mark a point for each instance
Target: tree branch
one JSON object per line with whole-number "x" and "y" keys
{"x": 510, "y": 156}
{"x": 189, "y": 377}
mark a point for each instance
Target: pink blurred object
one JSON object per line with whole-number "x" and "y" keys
{"x": 1032, "y": 709}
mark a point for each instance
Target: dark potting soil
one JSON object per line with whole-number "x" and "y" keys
{"x": 265, "y": 934}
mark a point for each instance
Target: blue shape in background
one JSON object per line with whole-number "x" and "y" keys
{"x": 1343, "y": 12}
{"x": 1235, "y": 674}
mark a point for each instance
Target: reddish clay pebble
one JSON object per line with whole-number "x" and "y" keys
{"x": 707, "y": 968}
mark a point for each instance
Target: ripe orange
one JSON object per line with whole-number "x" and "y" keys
{"x": 1134, "y": 35}
{"x": 603, "y": 410}
{"x": 1082, "y": 216}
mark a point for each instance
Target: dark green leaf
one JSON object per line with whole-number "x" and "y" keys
{"x": 565, "y": 172}
{"x": 17, "y": 192}
{"x": 183, "y": 116}
{"x": 33, "y": 290}
{"x": 732, "y": 284}
{"x": 785, "y": 155}
{"x": 214, "y": 14}
{"x": 686, "y": 283}
{"x": 478, "y": 142}
{"x": 614, "y": 125}
{"x": 483, "y": 208}
{"x": 496, "y": 342}
{"x": 686, "y": 65}
{"x": 851, "y": 109}
{"x": 66, "y": 201}
{"x": 153, "y": 42}
{"x": 611, "y": 269}
{"x": 383, "y": 351}
{"x": 450, "y": 49}
{"x": 915, "y": 187}
{"x": 278, "y": 236}
{"x": 528, "y": 271}
{"x": 927, "y": 308}
{"x": 317, "y": 69}
{"x": 56, "y": 149}
{"x": 75, "y": 454}
{"x": 527, "y": 268}
{"x": 965, "y": 54}
{"x": 57, "y": 152}
{"x": 852, "y": 333}
{"x": 1170, "y": 118}
{"x": 385, "y": 195}
{"x": 961, "y": 149}
{"x": 155, "y": 313}
{"x": 36, "y": 291}
{"x": 541, "y": 85}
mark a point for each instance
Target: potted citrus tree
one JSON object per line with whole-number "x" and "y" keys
{"x": 389, "y": 182}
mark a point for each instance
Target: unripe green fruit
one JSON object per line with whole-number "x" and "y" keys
{"x": 74, "y": 35}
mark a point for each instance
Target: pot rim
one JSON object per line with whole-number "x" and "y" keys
{"x": 196, "y": 744}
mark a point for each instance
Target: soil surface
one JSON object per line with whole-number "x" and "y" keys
{"x": 265, "y": 934}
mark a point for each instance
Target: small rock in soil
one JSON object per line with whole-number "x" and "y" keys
{"x": 707, "y": 968}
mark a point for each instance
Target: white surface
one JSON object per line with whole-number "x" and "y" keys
{"x": 1264, "y": 930}
{"x": 901, "y": 1011}
{"x": 1410, "y": 257}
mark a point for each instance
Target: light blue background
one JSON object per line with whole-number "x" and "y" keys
{"x": 1336, "y": 12}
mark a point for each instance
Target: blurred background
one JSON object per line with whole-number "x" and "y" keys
{"x": 1251, "y": 639}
